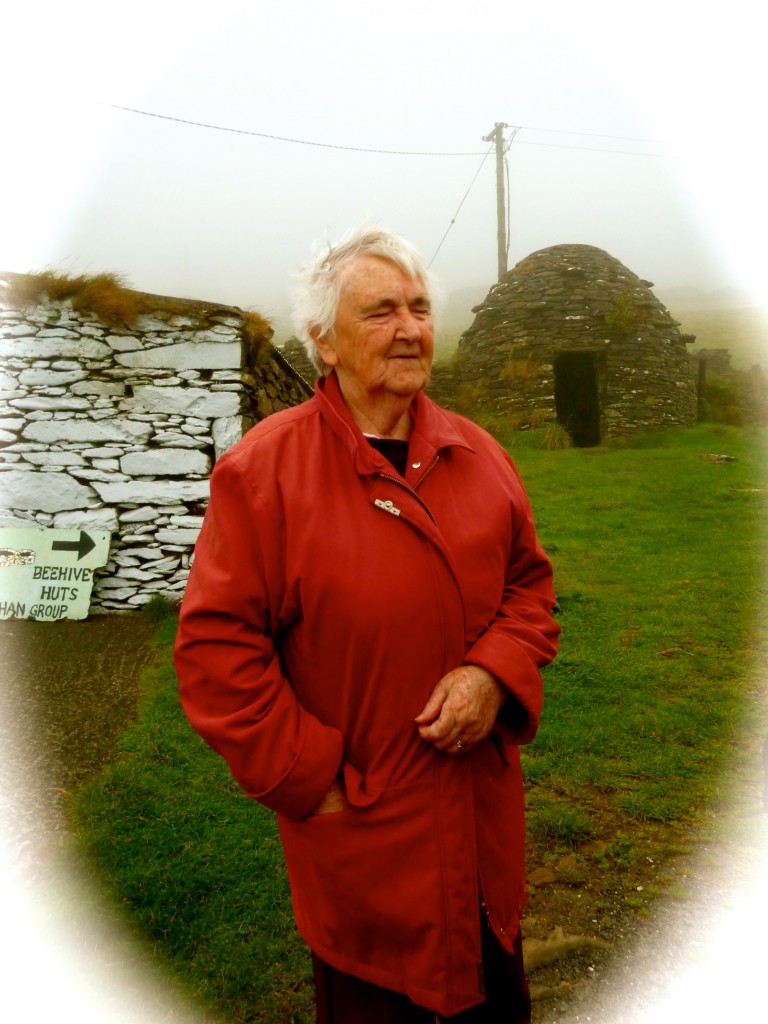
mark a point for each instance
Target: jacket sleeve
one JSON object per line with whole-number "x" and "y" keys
{"x": 522, "y": 637}
{"x": 231, "y": 683}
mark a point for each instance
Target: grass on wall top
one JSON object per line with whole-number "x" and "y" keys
{"x": 108, "y": 298}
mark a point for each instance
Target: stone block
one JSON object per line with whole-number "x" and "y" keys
{"x": 123, "y": 342}
{"x": 13, "y": 424}
{"x": 88, "y": 519}
{"x": 42, "y": 403}
{"x": 129, "y": 573}
{"x": 18, "y": 519}
{"x": 102, "y": 452}
{"x": 185, "y": 356}
{"x": 18, "y": 331}
{"x": 114, "y": 588}
{"x": 55, "y": 348}
{"x": 161, "y": 492}
{"x": 166, "y": 462}
{"x": 88, "y": 431}
{"x": 164, "y": 565}
{"x": 98, "y": 387}
{"x": 175, "y": 439}
{"x": 147, "y": 513}
{"x": 50, "y": 378}
{"x": 86, "y": 473}
{"x": 177, "y": 536}
{"x": 226, "y": 431}
{"x": 57, "y": 332}
{"x": 46, "y": 492}
{"x": 197, "y": 402}
{"x": 122, "y": 559}
{"x": 190, "y": 522}
{"x": 54, "y": 458}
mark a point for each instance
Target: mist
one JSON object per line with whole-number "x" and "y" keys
{"x": 200, "y": 151}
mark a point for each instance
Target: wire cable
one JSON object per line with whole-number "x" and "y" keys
{"x": 507, "y": 148}
{"x": 453, "y": 219}
{"x": 591, "y": 149}
{"x": 508, "y": 204}
{"x": 282, "y": 138}
{"x": 588, "y": 135}
{"x": 402, "y": 152}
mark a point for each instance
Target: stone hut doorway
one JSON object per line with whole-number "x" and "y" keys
{"x": 576, "y": 397}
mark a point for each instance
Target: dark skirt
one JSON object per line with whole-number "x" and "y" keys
{"x": 343, "y": 999}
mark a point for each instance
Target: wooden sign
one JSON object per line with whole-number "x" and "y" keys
{"x": 48, "y": 574}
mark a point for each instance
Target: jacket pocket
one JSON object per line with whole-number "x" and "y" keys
{"x": 366, "y": 881}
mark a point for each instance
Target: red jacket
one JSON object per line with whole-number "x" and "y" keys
{"x": 326, "y": 599}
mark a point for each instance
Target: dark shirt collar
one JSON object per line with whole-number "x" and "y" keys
{"x": 433, "y": 429}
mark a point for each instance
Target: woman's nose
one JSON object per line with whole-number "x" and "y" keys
{"x": 409, "y": 326}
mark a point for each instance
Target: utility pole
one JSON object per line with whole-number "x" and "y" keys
{"x": 497, "y": 136}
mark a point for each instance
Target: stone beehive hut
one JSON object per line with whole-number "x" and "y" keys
{"x": 113, "y": 420}
{"x": 572, "y": 335}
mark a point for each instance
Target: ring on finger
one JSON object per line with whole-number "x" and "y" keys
{"x": 459, "y": 745}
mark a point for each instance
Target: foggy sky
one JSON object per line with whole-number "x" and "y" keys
{"x": 637, "y": 135}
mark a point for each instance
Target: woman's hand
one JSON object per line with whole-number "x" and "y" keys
{"x": 333, "y": 801}
{"x": 462, "y": 709}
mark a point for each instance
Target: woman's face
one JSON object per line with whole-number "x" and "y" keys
{"x": 383, "y": 338}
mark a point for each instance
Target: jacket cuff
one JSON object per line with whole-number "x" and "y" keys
{"x": 311, "y": 774}
{"x": 509, "y": 663}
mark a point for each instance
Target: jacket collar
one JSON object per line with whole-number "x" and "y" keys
{"x": 433, "y": 429}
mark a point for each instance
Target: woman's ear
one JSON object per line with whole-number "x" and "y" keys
{"x": 324, "y": 346}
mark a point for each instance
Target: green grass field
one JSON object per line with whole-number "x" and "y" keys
{"x": 652, "y": 710}
{"x": 660, "y": 569}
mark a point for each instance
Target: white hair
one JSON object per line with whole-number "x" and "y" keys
{"x": 317, "y": 296}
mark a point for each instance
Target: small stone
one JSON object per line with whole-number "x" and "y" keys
{"x": 542, "y": 876}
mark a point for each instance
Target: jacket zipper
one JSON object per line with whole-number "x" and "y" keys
{"x": 427, "y": 471}
{"x": 412, "y": 490}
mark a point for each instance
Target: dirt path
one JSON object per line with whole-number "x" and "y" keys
{"x": 67, "y": 691}
{"x": 70, "y": 688}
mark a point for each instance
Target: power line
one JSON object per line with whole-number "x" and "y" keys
{"x": 282, "y": 138}
{"x": 588, "y": 149}
{"x": 399, "y": 152}
{"x": 589, "y": 135}
{"x": 403, "y": 152}
{"x": 453, "y": 219}
{"x": 507, "y": 148}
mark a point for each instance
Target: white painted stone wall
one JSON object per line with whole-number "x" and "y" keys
{"x": 118, "y": 430}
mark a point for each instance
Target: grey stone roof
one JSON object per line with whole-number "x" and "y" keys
{"x": 572, "y": 293}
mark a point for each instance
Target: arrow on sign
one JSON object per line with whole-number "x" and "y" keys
{"x": 82, "y": 546}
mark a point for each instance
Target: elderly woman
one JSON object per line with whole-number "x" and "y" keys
{"x": 361, "y": 640}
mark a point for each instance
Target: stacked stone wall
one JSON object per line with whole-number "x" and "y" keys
{"x": 117, "y": 429}
{"x": 649, "y": 384}
{"x": 570, "y": 299}
{"x": 296, "y": 354}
